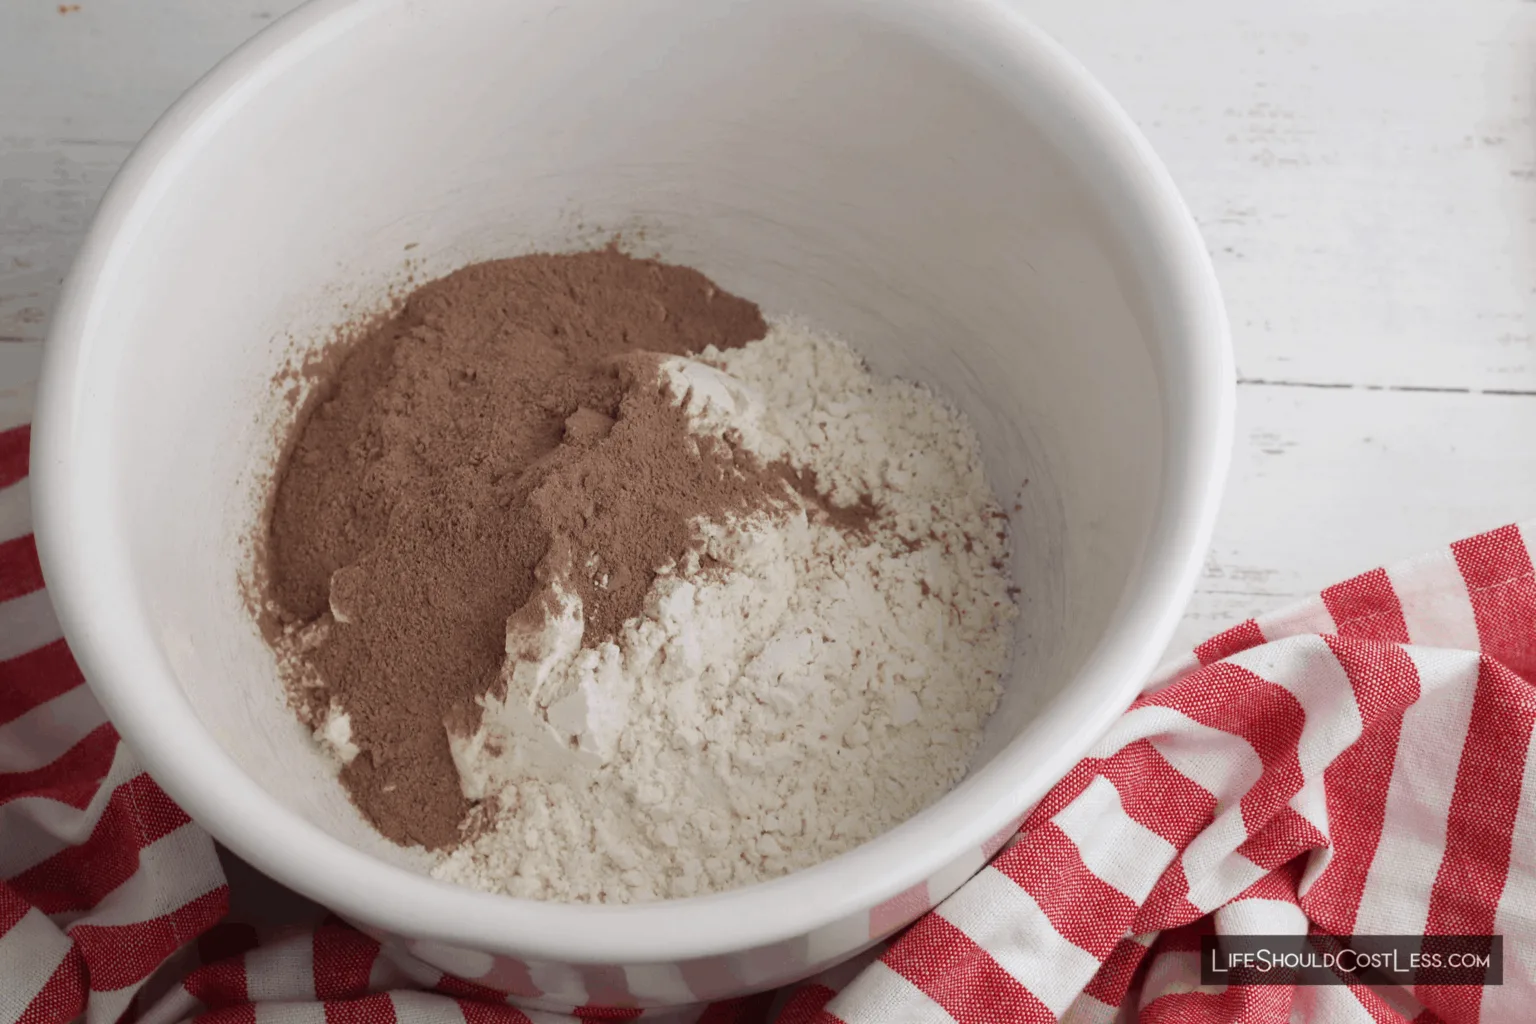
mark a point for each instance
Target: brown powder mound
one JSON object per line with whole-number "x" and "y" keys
{"x": 508, "y": 406}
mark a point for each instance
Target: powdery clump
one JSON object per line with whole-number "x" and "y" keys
{"x": 803, "y": 679}
{"x": 454, "y": 455}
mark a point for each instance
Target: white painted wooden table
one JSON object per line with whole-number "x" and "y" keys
{"x": 1364, "y": 172}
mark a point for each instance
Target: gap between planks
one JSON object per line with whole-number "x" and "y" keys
{"x": 1421, "y": 388}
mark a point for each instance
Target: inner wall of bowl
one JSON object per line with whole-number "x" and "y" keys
{"x": 813, "y": 156}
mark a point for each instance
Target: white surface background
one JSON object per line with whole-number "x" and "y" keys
{"x": 1364, "y": 173}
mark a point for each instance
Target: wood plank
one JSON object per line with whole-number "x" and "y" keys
{"x": 1364, "y": 173}
{"x": 19, "y": 365}
{"x": 77, "y": 89}
{"x": 1329, "y": 482}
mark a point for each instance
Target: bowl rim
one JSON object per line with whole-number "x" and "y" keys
{"x": 152, "y": 714}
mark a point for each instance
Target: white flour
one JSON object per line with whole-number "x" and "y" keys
{"x": 798, "y": 694}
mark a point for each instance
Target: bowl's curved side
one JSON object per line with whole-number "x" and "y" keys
{"x": 756, "y": 937}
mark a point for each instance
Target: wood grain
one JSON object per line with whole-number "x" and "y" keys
{"x": 1364, "y": 173}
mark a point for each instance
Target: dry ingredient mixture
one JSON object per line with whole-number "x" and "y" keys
{"x": 606, "y": 590}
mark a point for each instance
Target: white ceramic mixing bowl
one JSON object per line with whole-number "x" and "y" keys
{"x": 933, "y": 179}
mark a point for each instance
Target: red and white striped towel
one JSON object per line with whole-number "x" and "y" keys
{"x": 1353, "y": 765}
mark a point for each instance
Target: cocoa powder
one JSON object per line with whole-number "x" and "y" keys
{"x": 506, "y": 423}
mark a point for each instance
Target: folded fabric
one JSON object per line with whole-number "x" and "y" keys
{"x": 1353, "y": 765}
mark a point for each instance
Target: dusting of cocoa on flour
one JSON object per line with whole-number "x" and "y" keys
{"x": 602, "y": 589}
{"x": 434, "y": 477}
